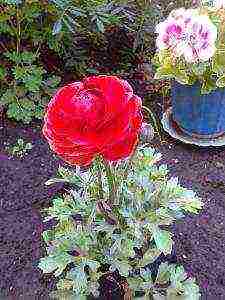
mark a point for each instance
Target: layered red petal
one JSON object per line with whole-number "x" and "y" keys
{"x": 121, "y": 149}
{"x": 98, "y": 115}
{"x": 116, "y": 92}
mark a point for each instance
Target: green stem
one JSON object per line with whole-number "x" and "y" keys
{"x": 154, "y": 121}
{"x": 4, "y": 47}
{"x": 99, "y": 175}
{"x": 112, "y": 183}
{"x": 18, "y": 30}
{"x": 128, "y": 167}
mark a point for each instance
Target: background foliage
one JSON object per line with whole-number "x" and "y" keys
{"x": 72, "y": 38}
{"x": 25, "y": 31}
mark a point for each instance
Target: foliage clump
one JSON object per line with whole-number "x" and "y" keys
{"x": 24, "y": 82}
{"x": 20, "y": 148}
{"x": 119, "y": 218}
{"x": 29, "y": 89}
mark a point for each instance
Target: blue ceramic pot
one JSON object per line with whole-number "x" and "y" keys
{"x": 197, "y": 114}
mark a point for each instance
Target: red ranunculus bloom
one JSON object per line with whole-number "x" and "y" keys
{"x": 98, "y": 116}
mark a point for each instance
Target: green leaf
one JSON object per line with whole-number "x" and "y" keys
{"x": 48, "y": 235}
{"x": 12, "y": 2}
{"x": 63, "y": 294}
{"x": 53, "y": 81}
{"x": 146, "y": 297}
{"x": 31, "y": 76}
{"x": 199, "y": 69}
{"x": 26, "y": 104}
{"x": 47, "y": 264}
{"x": 135, "y": 283}
{"x": 2, "y": 72}
{"x": 92, "y": 71}
{"x": 70, "y": 26}
{"x": 83, "y": 240}
{"x": 4, "y": 16}
{"x": 100, "y": 25}
{"x": 20, "y": 142}
{"x": 70, "y": 176}
{"x": 14, "y": 56}
{"x": 221, "y": 81}
{"x": 122, "y": 266}
{"x": 62, "y": 209}
{"x": 55, "y": 264}
{"x": 149, "y": 257}
{"x": 156, "y": 60}
{"x": 182, "y": 287}
{"x": 39, "y": 111}
{"x": 14, "y": 110}
{"x": 92, "y": 264}
{"x": 20, "y": 73}
{"x": 208, "y": 86}
{"x": 57, "y": 27}
{"x": 181, "y": 76}
{"x": 30, "y": 12}
{"x": 66, "y": 295}
{"x": 127, "y": 248}
{"x": 64, "y": 285}
{"x": 77, "y": 12}
{"x": 167, "y": 70}
{"x": 19, "y": 111}
{"x": 28, "y": 146}
{"x": 190, "y": 202}
{"x": 218, "y": 61}
{"x": 79, "y": 278}
{"x": 8, "y": 97}
{"x": 15, "y": 150}
{"x": 164, "y": 73}
{"x": 214, "y": 18}
{"x": 163, "y": 240}
{"x": 28, "y": 57}
{"x": 163, "y": 275}
{"x": 33, "y": 83}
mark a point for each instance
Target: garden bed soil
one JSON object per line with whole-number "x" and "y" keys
{"x": 199, "y": 240}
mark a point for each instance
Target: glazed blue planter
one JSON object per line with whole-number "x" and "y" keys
{"x": 198, "y": 115}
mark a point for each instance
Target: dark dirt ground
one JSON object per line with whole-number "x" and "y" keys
{"x": 199, "y": 240}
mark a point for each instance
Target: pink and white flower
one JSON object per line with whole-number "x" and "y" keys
{"x": 187, "y": 33}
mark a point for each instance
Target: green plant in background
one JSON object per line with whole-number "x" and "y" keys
{"x": 72, "y": 29}
{"x": 86, "y": 16}
{"x": 87, "y": 22}
{"x": 29, "y": 23}
{"x": 25, "y": 84}
{"x": 20, "y": 149}
{"x": 94, "y": 19}
{"x": 29, "y": 88}
{"x": 138, "y": 17}
{"x": 141, "y": 18}
{"x": 118, "y": 217}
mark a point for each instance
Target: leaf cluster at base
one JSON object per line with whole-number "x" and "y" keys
{"x": 128, "y": 235}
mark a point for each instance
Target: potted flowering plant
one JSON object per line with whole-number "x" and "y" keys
{"x": 191, "y": 52}
{"x": 109, "y": 231}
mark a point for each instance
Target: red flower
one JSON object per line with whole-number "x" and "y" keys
{"x": 98, "y": 116}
